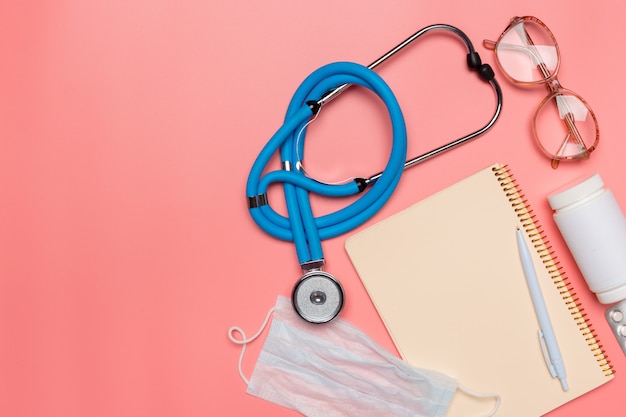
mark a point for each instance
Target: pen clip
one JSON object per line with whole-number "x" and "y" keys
{"x": 546, "y": 355}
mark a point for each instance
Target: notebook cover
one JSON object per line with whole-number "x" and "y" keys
{"x": 446, "y": 278}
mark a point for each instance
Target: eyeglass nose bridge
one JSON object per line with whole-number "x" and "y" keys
{"x": 554, "y": 85}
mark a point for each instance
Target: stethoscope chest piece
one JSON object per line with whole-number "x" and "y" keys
{"x": 318, "y": 297}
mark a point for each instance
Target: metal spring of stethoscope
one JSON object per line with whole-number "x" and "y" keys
{"x": 318, "y": 297}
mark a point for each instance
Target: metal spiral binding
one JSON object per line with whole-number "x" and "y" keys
{"x": 549, "y": 259}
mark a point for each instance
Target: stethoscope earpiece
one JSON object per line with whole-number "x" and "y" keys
{"x": 317, "y": 297}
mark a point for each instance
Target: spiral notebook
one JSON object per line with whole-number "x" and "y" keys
{"x": 446, "y": 278}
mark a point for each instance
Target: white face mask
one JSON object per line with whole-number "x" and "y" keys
{"x": 336, "y": 370}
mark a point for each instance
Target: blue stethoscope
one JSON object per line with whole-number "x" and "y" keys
{"x": 318, "y": 297}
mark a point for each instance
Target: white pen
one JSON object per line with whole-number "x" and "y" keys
{"x": 547, "y": 338}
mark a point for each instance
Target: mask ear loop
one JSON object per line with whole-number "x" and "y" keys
{"x": 479, "y": 395}
{"x": 244, "y": 341}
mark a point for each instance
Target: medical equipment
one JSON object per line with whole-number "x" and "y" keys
{"x": 318, "y": 297}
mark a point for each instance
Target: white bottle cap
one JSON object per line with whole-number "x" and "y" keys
{"x": 576, "y": 193}
{"x": 613, "y": 295}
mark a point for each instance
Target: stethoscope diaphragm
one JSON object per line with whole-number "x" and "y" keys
{"x": 318, "y": 297}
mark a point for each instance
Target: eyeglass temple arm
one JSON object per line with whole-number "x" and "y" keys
{"x": 569, "y": 121}
{"x": 491, "y": 45}
{"x": 571, "y": 127}
{"x": 532, "y": 50}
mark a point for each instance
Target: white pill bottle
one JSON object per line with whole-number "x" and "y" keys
{"x": 594, "y": 228}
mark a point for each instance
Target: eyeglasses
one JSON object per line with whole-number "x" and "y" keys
{"x": 564, "y": 126}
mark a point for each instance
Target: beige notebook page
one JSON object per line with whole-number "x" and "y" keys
{"x": 446, "y": 278}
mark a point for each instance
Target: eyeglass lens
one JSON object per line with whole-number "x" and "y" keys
{"x": 565, "y": 127}
{"x": 528, "y": 53}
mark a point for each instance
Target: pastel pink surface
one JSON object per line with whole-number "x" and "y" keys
{"x": 128, "y": 129}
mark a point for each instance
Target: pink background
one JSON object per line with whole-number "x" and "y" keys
{"x": 129, "y": 127}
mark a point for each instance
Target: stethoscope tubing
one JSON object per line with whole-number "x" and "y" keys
{"x": 301, "y": 227}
